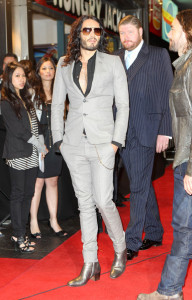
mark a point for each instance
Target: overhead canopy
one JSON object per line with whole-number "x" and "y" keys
{"x": 128, "y": 4}
{"x": 183, "y": 4}
{"x": 132, "y": 4}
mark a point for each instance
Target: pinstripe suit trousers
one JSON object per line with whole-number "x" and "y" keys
{"x": 144, "y": 213}
{"x": 91, "y": 169}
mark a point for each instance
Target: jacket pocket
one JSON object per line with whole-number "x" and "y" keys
{"x": 180, "y": 102}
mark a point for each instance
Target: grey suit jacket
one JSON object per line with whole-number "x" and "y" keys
{"x": 93, "y": 112}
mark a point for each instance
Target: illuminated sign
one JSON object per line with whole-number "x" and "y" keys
{"x": 169, "y": 13}
{"x": 155, "y": 17}
{"x": 110, "y": 14}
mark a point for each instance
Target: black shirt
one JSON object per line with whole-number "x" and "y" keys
{"x": 90, "y": 73}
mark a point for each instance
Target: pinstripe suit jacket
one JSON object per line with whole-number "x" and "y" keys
{"x": 149, "y": 80}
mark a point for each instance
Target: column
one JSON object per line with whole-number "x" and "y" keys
{"x": 22, "y": 29}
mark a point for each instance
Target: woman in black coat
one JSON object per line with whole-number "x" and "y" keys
{"x": 22, "y": 148}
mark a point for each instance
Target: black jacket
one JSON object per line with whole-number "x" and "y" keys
{"x": 18, "y": 132}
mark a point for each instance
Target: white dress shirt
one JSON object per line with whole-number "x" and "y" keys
{"x": 133, "y": 53}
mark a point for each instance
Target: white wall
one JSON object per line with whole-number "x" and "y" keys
{"x": 45, "y": 30}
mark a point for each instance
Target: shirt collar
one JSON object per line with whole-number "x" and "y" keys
{"x": 180, "y": 61}
{"x": 92, "y": 58}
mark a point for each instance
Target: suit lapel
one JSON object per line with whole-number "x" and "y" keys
{"x": 138, "y": 63}
{"x": 98, "y": 64}
{"x": 122, "y": 55}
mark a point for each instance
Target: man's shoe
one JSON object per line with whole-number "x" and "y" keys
{"x": 131, "y": 254}
{"x": 149, "y": 243}
{"x": 89, "y": 271}
{"x": 119, "y": 264}
{"x": 156, "y": 296}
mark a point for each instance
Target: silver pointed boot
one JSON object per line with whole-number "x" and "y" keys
{"x": 89, "y": 271}
{"x": 119, "y": 264}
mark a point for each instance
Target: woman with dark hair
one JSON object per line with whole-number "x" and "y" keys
{"x": 22, "y": 144}
{"x": 29, "y": 71}
{"x": 45, "y": 73}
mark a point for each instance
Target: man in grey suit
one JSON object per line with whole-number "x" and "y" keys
{"x": 92, "y": 79}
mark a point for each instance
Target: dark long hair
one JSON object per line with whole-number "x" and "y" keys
{"x": 40, "y": 97}
{"x": 185, "y": 19}
{"x": 73, "y": 48}
{"x": 29, "y": 70}
{"x": 9, "y": 94}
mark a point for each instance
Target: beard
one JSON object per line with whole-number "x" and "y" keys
{"x": 90, "y": 47}
{"x": 132, "y": 45}
{"x": 172, "y": 46}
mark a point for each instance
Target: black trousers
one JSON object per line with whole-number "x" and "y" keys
{"x": 22, "y": 191}
{"x": 144, "y": 212}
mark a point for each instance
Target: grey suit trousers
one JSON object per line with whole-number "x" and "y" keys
{"x": 91, "y": 169}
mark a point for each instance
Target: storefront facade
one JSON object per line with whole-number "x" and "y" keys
{"x": 33, "y": 27}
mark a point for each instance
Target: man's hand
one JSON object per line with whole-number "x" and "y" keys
{"x": 188, "y": 184}
{"x": 114, "y": 148}
{"x": 162, "y": 143}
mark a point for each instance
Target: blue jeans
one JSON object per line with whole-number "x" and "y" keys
{"x": 176, "y": 264}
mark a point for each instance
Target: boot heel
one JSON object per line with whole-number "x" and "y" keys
{"x": 96, "y": 277}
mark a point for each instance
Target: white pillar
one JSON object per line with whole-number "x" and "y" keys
{"x": 20, "y": 37}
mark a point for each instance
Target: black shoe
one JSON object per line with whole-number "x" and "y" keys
{"x": 149, "y": 243}
{"x": 131, "y": 254}
{"x": 21, "y": 246}
{"x": 28, "y": 242}
{"x": 60, "y": 233}
{"x": 36, "y": 235}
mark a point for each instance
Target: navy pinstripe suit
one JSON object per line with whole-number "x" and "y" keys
{"x": 149, "y": 80}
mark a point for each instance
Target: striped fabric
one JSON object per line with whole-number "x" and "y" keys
{"x": 33, "y": 160}
{"x": 149, "y": 80}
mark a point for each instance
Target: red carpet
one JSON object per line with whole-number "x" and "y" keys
{"x": 47, "y": 278}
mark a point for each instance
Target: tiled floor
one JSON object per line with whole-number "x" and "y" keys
{"x": 44, "y": 246}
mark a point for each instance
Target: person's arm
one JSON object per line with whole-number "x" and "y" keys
{"x": 165, "y": 80}
{"x": 189, "y": 92}
{"x": 188, "y": 176}
{"x": 58, "y": 104}
{"x": 39, "y": 144}
{"x": 121, "y": 102}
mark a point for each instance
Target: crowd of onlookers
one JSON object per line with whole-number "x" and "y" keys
{"x": 26, "y": 96}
